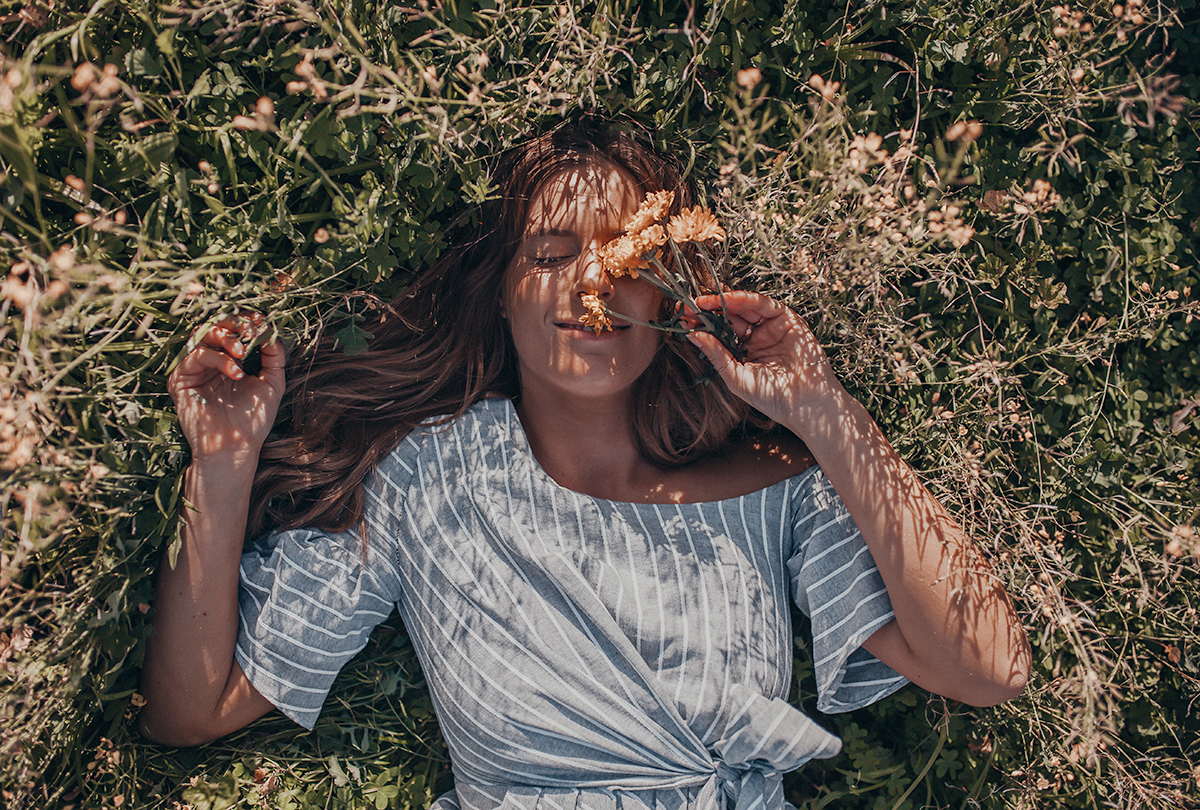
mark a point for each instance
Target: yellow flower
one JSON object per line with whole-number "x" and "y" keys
{"x": 628, "y": 254}
{"x": 651, "y": 211}
{"x": 633, "y": 251}
{"x": 649, "y": 239}
{"x": 695, "y": 225}
{"x": 620, "y": 256}
{"x": 596, "y": 318}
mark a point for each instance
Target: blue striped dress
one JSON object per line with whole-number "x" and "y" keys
{"x": 582, "y": 654}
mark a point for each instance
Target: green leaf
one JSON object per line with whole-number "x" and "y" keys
{"x": 166, "y": 41}
{"x": 335, "y": 770}
{"x": 141, "y": 62}
{"x": 352, "y": 338}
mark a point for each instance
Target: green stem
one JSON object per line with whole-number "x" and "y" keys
{"x": 713, "y": 322}
{"x": 937, "y": 749}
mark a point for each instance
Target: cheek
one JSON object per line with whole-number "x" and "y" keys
{"x": 643, "y": 299}
{"x": 519, "y": 297}
{"x": 512, "y": 295}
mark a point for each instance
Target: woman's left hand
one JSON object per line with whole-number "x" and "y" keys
{"x": 785, "y": 365}
{"x": 955, "y": 630}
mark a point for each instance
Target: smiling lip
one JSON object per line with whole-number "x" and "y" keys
{"x": 578, "y": 327}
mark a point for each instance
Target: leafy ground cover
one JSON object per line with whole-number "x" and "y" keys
{"x": 988, "y": 210}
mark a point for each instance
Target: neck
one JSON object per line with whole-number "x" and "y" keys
{"x": 586, "y": 445}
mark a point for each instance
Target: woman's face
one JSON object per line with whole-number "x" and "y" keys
{"x": 557, "y": 260}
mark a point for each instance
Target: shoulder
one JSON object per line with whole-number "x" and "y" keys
{"x": 747, "y": 465}
{"x": 779, "y": 453}
{"x": 764, "y": 460}
{"x": 485, "y": 424}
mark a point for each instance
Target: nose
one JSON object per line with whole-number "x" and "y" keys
{"x": 593, "y": 278}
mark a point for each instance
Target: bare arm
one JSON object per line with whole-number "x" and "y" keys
{"x": 955, "y": 631}
{"x": 194, "y": 690}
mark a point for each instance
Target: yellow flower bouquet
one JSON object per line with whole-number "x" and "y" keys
{"x": 650, "y": 249}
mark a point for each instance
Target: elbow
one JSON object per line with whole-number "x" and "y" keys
{"x": 172, "y": 731}
{"x": 1003, "y": 684}
{"x": 995, "y": 692}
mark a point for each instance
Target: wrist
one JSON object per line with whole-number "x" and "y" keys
{"x": 822, "y": 411}
{"x": 219, "y": 479}
{"x": 235, "y": 461}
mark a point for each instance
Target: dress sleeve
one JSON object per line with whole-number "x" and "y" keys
{"x": 308, "y": 601}
{"x": 836, "y": 584}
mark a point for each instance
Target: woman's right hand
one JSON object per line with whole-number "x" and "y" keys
{"x": 225, "y": 413}
{"x": 195, "y": 691}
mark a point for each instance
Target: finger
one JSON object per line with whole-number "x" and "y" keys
{"x": 235, "y": 334}
{"x": 273, "y": 360}
{"x": 246, "y": 324}
{"x": 252, "y": 326}
{"x": 274, "y": 355}
{"x": 742, "y": 326}
{"x": 738, "y": 322}
{"x": 233, "y": 324}
{"x": 225, "y": 339}
{"x": 752, "y": 307}
{"x": 737, "y": 376}
{"x": 204, "y": 357}
{"x": 715, "y": 351}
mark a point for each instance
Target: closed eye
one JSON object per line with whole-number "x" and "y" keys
{"x": 544, "y": 261}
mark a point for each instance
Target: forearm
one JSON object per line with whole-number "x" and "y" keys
{"x": 189, "y": 661}
{"x": 955, "y": 630}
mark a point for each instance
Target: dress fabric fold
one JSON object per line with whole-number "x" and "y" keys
{"x": 580, "y": 653}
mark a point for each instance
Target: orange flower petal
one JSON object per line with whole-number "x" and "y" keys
{"x": 695, "y": 225}
{"x": 596, "y": 317}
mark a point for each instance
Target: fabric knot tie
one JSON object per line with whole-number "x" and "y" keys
{"x": 764, "y": 738}
{"x": 734, "y": 788}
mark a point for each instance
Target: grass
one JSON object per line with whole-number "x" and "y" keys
{"x": 1016, "y": 305}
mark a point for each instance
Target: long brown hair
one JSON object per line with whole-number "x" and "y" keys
{"x": 444, "y": 345}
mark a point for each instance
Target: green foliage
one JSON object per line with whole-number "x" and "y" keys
{"x": 1043, "y": 370}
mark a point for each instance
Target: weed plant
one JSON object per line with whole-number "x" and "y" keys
{"x": 987, "y": 210}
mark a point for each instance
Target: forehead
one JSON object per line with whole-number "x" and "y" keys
{"x": 597, "y": 194}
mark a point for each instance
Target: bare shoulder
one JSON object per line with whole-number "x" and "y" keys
{"x": 746, "y": 466}
{"x": 768, "y": 459}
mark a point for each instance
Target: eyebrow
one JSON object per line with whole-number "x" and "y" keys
{"x": 549, "y": 232}
{"x": 560, "y": 232}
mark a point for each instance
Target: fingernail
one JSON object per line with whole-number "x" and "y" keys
{"x": 238, "y": 350}
{"x": 238, "y": 374}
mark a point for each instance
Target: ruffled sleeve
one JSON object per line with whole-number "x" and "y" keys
{"x": 308, "y": 601}
{"x": 836, "y": 584}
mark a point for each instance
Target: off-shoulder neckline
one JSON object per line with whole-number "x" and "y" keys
{"x": 520, "y": 442}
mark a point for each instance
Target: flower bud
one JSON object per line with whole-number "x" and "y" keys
{"x": 748, "y": 78}
{"x": 63, "y": 259}
{"x": 84, "y": 75}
